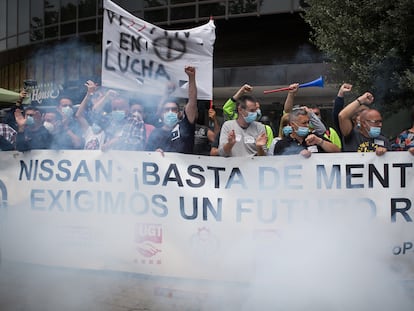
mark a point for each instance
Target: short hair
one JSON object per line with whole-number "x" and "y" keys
{"x": 296, "y": 112}
{"x": 170, "y": 100}
{"x": 241, "y": 102}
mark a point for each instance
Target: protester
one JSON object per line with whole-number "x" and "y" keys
{"x": 284, "y": 130}
{"x": 93, "y": 135}
{"x": 31, "y": 133}
{"x": 367, "y": 137}
{"x": 7, "y": 137}
{"x": 204, "y": 136}
{"x": 137, "y": 110}
{"x": 301, "y": 141}
{"x": 177, "y": 135}
{"x": 339, "y": 104}
{"x": 405, "y": 141}
{"x": 243, "y": 136}
{"x": 230, "y": 110}
{"x": 330, "y": 132}
{"x": 69, "y": 134}
{"x": 317, "y": 125}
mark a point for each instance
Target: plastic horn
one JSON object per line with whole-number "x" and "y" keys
{"x": 318, "y": 82}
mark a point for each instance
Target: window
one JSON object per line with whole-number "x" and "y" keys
{"x": 155, "y": 16}
{"x": 212, "y": 9}
{"x": 24, "y": 16}
{"x": 3, "y": 19}
{"x": 68, "y": 10}
{"x": 11, "y": 18}
{"x": 51, "y": 12}
{"x": 68, "y": 29}
{"x": 87, "y": 26}
{"x": 87, "y": 8}
{"x": 184, "y": 12}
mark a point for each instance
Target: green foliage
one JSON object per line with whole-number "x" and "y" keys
{"x": 370, "y": 43}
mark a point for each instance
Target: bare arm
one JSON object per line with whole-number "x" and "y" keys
{"x": 191, "y": 109}
{"x": 346, "y": 114}
{"x": 290, "y": 97}
{"x": 80, "y": 114}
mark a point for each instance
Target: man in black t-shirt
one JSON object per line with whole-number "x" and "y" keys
{"x": 177, "y": 135}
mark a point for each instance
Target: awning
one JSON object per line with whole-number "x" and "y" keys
{"x": 7, "y": 96}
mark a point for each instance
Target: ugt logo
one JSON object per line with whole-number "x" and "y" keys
{"x": 3, "y": 194}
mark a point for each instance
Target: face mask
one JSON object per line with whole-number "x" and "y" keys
{"x": 96, "y": 128}
{"x": 137, "y": 115}
{"x": 67, "y": 111}
{"x": 374, "y": 131}
{"x": 302, "y": 131}
{"x": 29, "y": 121}
{"x": 259, "y": 114}
{"x": 287, "y": 130}
{"x": 170, "y": 118}
{"x": 251, "y": 116}
{"x": 118, "y": 115}
{"x": 49, "y": 126}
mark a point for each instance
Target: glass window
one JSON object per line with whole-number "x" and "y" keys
{"x": 51, "y": 32}
{"x": 36, "y": 16}
{"x": 212, "y": 9}
{"x": 242, "y": 6}
{"x": 178, "y": 1}
{"x": 24, "y": 39}
{"x": 3, "y": 20}
{"x": 51, "y": 12}
{"x": 67, "y": 29}
{"x": 155, "y": 16}
{"x": 11, "y": 18}
{"x": 3, "y": 45}
{"x": 36, "y": 34}
{"x": 131, "y": 6}
{"x": 88, "y": 25}
{"x": 183, "y": 12}
{"x": 68, "y": 10}
{"x": 12, "y": 42}
{"x": 24, "y": 17}
{"x": 154, "y": 3}
{"x": 87, "y": 8}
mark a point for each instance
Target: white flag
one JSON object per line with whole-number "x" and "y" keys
{"x": 140, "y": 57}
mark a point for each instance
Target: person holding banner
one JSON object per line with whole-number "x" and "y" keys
{"x": 243, "y": 136}
{"x": 367, "y": 137}
{"x": 31, "y": 133}
{"x": 405, "y": 141}
{"x": 301, "y": 141}
{"x": 230, "y": 110}
{"x": 177, "y": 135}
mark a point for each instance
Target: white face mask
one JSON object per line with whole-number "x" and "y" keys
{"x": 49, "y": 126}
{"x": 67, "y": 111}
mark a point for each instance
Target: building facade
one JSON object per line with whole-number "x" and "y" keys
{"x": 261, "y": 42}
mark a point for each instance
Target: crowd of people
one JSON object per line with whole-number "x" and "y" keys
{"x": 108, "y": 120}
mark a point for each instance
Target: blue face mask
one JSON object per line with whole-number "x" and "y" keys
{"x": 118, "y": 115}
{"x": 259, "y": 114}
{"x": 67, "y": 111}
{"x": 251, "y": 116}
{"x": 374, "y": 131}
{"x": 287, "y": 130}
{"x": 302, "y": 131}
{"x": 96, "y": 128}
{"x": 170, "y": 118}
{"x": 29, "y": 121}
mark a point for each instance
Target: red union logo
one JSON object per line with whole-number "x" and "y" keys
{"x": 148, "y": 232}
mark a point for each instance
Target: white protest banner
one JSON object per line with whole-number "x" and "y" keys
{"x": 140, "y": 57}
{"x": 198, "y": 217}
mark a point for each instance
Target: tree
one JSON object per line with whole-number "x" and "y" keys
{"x": 371, "y": 42}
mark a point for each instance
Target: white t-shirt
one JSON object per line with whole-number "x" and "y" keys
{"x": 93, "y": 141}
